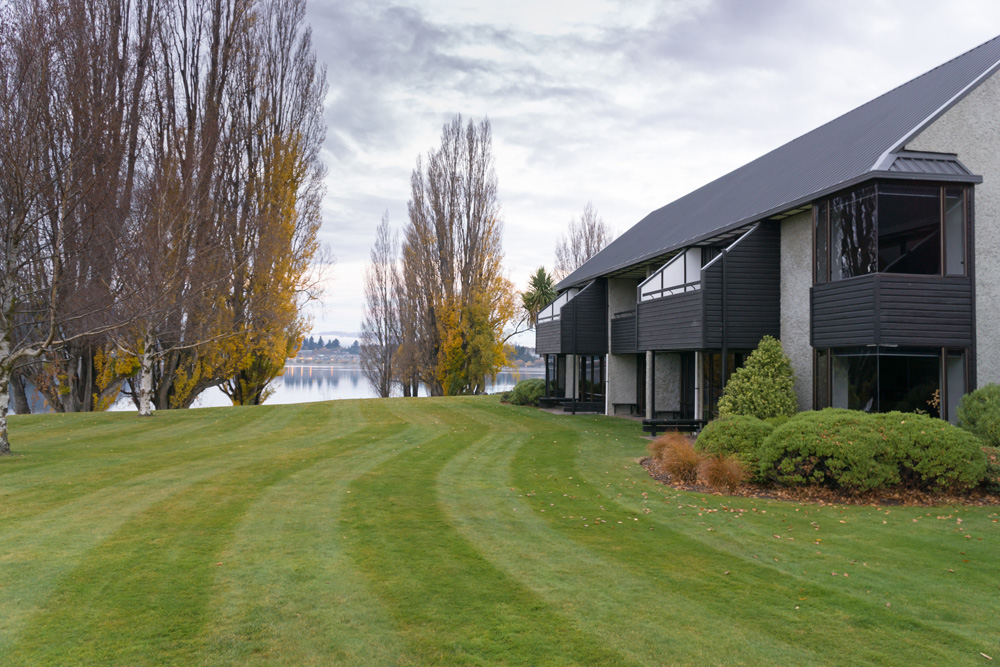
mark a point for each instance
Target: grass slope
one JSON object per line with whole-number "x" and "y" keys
{"x": 451, "y": 531}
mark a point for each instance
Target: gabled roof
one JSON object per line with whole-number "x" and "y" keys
{"x": 864, "y": 143}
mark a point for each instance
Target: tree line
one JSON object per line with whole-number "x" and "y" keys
{"x": 160, "y": 189}
{"x": 437, "y": 300}
{"x": 439, "y": 309}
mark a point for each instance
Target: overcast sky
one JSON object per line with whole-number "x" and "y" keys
{"x": 626, "y": 104}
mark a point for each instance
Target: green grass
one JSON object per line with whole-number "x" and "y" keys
{"x": 452, "y": 531}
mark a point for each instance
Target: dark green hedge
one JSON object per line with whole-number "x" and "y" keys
{"x": 525, "y": 392}
{"x": 739, "y": 435}
{"x": 856, "y": 451}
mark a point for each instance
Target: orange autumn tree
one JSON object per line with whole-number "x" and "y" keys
{"x": 472, "y": 344}
{"x": 266, "y": 295}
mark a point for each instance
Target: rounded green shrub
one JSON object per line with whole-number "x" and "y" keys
{"x": 991, "y": 480}
{"x": 775, "y": 422}
{"x": 834, "y": 448}
{"x": 857, "y": 452}
{"x": 979, "y": 414}
{"x": 527, "y": 392}
{"x": 931, "y": 453}
{"x": 738, "y": 435}
{"x": 763, "y": 387}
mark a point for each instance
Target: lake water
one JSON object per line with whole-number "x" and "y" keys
{"x": 307, "y": 384}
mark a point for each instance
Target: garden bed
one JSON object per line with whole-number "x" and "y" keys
{"x": 826, "y": 496}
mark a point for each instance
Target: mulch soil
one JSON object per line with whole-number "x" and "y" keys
{"x": 824, "y": 496}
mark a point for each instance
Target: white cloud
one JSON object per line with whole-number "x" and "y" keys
{"x": 629, "y": 104}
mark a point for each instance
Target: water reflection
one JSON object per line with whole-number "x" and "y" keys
{"x": 307, "y": 384}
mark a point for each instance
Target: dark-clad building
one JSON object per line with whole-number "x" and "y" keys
{"x": 867, "y": 246}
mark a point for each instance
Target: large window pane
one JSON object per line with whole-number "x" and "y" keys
{"x": 855, "y": 379}
{"x": 822, "y": 251}
{"x": 954, "y": 232}
{"x": 910, "y": 380}
{"x": 956, "y": 383}
{"x": 909, "y": 229}
{"x": 854, "y": 250}
{"x": 886, "y": 379}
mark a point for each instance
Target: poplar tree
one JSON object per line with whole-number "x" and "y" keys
{"x": 380, "y": 330}
{"x": 456, "y": 293}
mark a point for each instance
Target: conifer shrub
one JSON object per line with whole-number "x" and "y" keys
{"x": 764, "y": 386}
{"x": 833, "y": 448}
{"x": 979, "y": 414}
{"x": 857, "y": 452}
{"x": 527, "y": 392}
{"x": 723, "y": 472}
{"x": 775, "y": 422}
{"x": 991, "y": 480}
{"x": 738, "y": 435}
{"x": 932, "y": 454}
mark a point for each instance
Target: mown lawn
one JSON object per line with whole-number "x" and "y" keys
{"x": 452, "y": 531}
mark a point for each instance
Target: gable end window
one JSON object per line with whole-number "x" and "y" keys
{"x": 891, "y": 228}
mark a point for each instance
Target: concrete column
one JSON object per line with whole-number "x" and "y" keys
{"x": 571, "y": 373}
{"x": 650, "y": 397}
{"x": 699, "y": 409}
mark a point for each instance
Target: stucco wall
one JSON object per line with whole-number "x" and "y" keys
{"x": 622, "y": 368}
{"x": 668, "y": 381}
{"x": 796, "y": 279}
{"x": 972, "y": 130}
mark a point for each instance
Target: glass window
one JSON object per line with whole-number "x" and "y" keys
{"x": 854, "y": 248}
{"x": 954, "y": 232}
{"x": 909, "y": 380}
{"x": 883, "y": 379}
{"x": 712, "y": 382}
{"x": 891, "y": 228}
{"x": 909, "y": 229}
{"x": 955, "y": 383}
{"x": 822, "y": 251}
{"x": 855, "y": 379}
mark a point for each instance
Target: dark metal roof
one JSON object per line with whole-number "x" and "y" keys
{"x": 862, "y": 143}
{"x": 928, "y": 164}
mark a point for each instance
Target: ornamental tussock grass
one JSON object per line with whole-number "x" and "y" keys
{"x": 677, "y": 456}
{"x": 723, "y": 472}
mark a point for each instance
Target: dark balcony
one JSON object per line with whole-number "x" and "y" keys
{"x": 732, "y": 301}
{"x": 575, "y": 323}
{"x": 893, "y": 309}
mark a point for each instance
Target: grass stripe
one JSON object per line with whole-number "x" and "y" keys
{"x": 452, "y": 605}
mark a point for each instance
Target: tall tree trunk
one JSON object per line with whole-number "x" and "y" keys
{"x": 20, "y": 396}
{"x": 6, "y": 365}
{"x": 146, "y": 378}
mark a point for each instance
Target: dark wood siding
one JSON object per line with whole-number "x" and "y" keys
{"x": 623, "y": 334}
{"x": 918, "y": 311}
{"x": 747, "y": 281}
{"x": 753, "y": 287}
{"x": 547, "y": 337}
{"x": 887, "y": 309}
{"x": 843, "y": 313}
{"x": 711, "y": 285}
{"x": 671, "y": 323}
{"x": 585, "y": 321}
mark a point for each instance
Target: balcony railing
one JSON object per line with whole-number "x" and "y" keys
{"x": 681, "y": 274}
{"x": 552, "y": 311}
